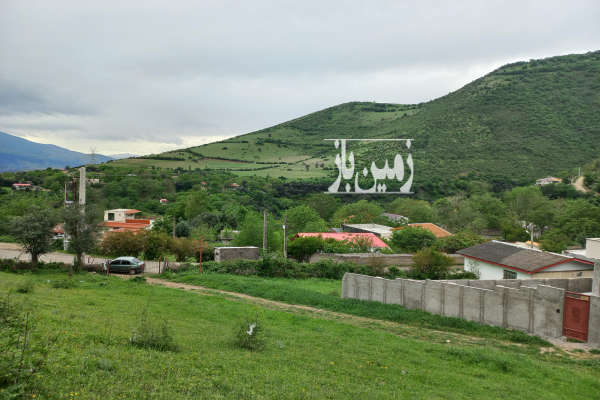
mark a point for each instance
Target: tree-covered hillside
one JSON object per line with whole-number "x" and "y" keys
{"x": 520, "y": 122}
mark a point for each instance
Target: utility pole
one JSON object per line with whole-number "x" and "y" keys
{"x": 265, "y": 230}
{"x": 285, "y": 237}
{"x": 82, "y": 182}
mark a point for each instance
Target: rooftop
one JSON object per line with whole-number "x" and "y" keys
{"x": 438, "y": 231}
{"x": 516, "y": 257}
{"x": 347, "y": 236}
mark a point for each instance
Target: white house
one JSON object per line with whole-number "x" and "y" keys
{"x": 500, "y": 260}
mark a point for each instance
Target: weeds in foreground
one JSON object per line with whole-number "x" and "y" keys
{"x": 21, "y": 358}
{"x": 250, "y": 335}
{"x": 26, "y": 286}
{"x": 65, "y": 283}
{"x": 152, "y": 334}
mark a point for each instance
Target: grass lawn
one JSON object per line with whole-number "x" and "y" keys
{"x": 325, "y": 294}
{"x": 304, "y": 357}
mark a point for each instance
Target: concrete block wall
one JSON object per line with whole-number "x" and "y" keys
{"x": 236, "y": 253}
{"x": 579, "y": 285}
{"x": 536, "y": 309}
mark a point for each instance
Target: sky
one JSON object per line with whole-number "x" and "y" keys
{"x": 149, "y": 76}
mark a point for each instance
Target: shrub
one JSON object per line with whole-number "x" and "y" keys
{"x": 26, "y": 286}
{"x": 156, "y": 244}
{"x": 555, "y": 240}
{"x": 153, "y": 335}
{"x": 303, "y": 247}
{"x": 119, "y": 244}
{"x": 430, "y": 264}
{"x": 250, "y": 335}
{"x": 22, "y": 356}
{"x": 411, "y": 239}
{"x": 462, "y": 240}
{"x": 66, "y": 283}
{"x": 184, "y": 248}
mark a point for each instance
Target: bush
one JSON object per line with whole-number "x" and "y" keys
{"x": 156, "y": 244}
{"x": 303, "y": 247}
{"x": 26, "y": 286}
{"x": 184, "y": 248}
{"x": 430, "y": 264}
{"x": 120, "y": 244}
{"x": 66, "y": 283}
{"x": 411, "y": 239}
{"x": 250, "y": 335}
{"x": 153, "y": 335}
{"x": 22, "y": 356}
{"x": 462, "y": 240}
{"x": 555, "y": 240}
{"x": 512, "y": 232}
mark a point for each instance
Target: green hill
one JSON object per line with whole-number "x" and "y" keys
{"x": 520, "y": 122}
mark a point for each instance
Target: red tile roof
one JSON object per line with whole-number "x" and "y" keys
{"x": 346, "y": 236}
{"x": 132, "y": 211}
{"x": 125, "y": 225}
{"x": 438, "y": 231}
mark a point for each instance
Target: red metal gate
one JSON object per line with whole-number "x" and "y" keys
{"x": 576, "y": 316}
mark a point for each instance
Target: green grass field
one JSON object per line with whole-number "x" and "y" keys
{"x": 304, "y": 358}
{"x": 325, "y": 294}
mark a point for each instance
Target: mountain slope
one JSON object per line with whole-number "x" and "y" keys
{"x": 520, "y": 122}
{"x": 18, "y": 154}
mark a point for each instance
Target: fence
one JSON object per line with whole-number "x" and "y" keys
{"x": 533, "y": 306}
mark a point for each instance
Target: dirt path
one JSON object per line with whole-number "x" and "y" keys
{"x": 389, "y": 326}
{"x": 579, "y": 185}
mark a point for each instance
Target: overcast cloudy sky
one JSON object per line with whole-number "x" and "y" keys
{"x": 149, "y": 76}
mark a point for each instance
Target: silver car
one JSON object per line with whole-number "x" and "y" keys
{"x": 129, "y": 265}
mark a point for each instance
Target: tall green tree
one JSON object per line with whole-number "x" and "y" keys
{"x": 82, "y": 229}
{"x": 33, "y": 231}
{"x": 360, "y": 212}
{"x": 415, "y": 210}
{"x": 304, "y": 219}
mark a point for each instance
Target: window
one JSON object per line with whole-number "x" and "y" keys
{"x": 509, "y": 274}
{"x": 111, "y": 216}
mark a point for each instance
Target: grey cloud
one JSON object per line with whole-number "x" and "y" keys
{"x": 166, "y": 72}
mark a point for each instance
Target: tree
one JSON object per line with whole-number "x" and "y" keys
{"x": 121, "y": 244}
{"x": 184, "y": 248}
{"x": 555, "y": 240}
{"x": 324, "y": 204}
{"x": 430, "y": 264}
{"x": 361, "y": 212}
{"x": 156, "y": 244}
{"x": 304, "y": 219}
{"x": 82, "y": 230}
{"x": 33, "y": 231}
{"x": 182, "y": 229}
{"x": 411, "y": 239}
{"x": 303, "y": 247}
{"x": 196, "y": 204}
{"x": 415, "y": 210}
{"x": 461, "y": 240}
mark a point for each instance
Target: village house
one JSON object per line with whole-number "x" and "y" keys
{"x": 547, "y": 181}
{"x": 381, "y": 231}
{"x": 437, "y": 231}
{"x": 395, "y": 218}
{"x": 124, "y": 219}
{"x": 500, "y": 260}
{"x": 375, "y": 242}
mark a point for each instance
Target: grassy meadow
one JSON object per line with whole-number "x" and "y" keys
{"x": 88, "y": 329}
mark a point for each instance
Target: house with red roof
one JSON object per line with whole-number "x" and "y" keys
{"x": 375, "y": 241}
{"x": 437, "y": 231}
{"x": 124, "y": 219}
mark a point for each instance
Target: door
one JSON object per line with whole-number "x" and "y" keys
{"x": 576, "y": 316}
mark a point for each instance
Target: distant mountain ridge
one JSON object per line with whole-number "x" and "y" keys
{"x": 18, "y": 154}
{"x": 523, "y": 121}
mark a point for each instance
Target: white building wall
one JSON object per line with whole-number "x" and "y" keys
{"x": 490, "y": 271}
{"x": 570, "y": 266}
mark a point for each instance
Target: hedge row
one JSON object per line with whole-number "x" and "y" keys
{"x": 286, "y": 268}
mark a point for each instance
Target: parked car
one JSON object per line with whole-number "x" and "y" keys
{"x": 129, "y": 265}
